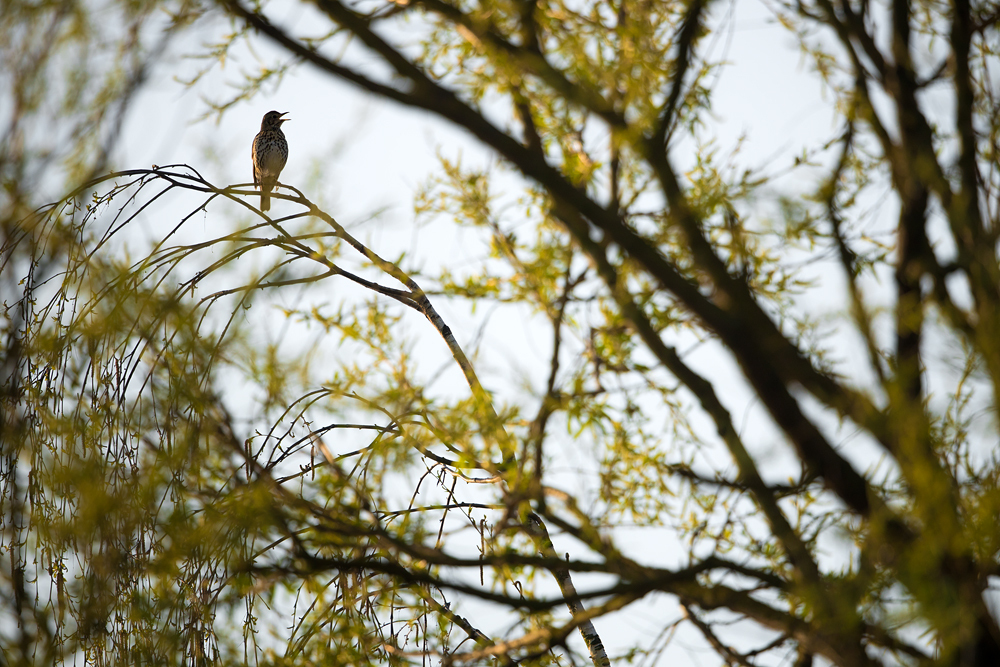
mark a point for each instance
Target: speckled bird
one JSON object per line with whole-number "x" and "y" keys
{"x": 270, "y": 151}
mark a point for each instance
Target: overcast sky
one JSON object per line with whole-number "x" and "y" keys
{"x": 372, "y": 155}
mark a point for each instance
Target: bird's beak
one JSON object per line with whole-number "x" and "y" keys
{"x": 284, "y": 113}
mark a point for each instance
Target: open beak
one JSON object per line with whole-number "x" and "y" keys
{"x": 284, "y": 113}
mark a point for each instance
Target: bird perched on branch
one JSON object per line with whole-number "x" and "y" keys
{"x": 270, "y": 150}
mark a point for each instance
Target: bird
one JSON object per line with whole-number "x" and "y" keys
{"x": 270, "y": 151}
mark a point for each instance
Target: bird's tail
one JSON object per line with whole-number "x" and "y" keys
{"x": 265, "y": 201}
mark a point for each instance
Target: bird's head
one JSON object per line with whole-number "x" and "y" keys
{"x": 273, "y": 119}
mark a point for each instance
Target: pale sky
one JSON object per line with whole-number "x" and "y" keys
{"x": 375, "y": 154}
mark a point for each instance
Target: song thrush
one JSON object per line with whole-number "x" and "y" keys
{"x": 270, "y": 150}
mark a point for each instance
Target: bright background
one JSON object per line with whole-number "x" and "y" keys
{"x": 363, "y": 159}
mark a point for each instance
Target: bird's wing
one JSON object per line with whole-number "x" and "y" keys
{"x": 253, "y": 159}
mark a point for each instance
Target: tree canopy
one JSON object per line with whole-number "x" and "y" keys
{"x": 267, "y": 440}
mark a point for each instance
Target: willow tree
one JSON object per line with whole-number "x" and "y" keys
{"x": 230, "y": 446}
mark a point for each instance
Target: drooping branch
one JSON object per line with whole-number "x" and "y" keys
{"x": 413, "y": 297}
